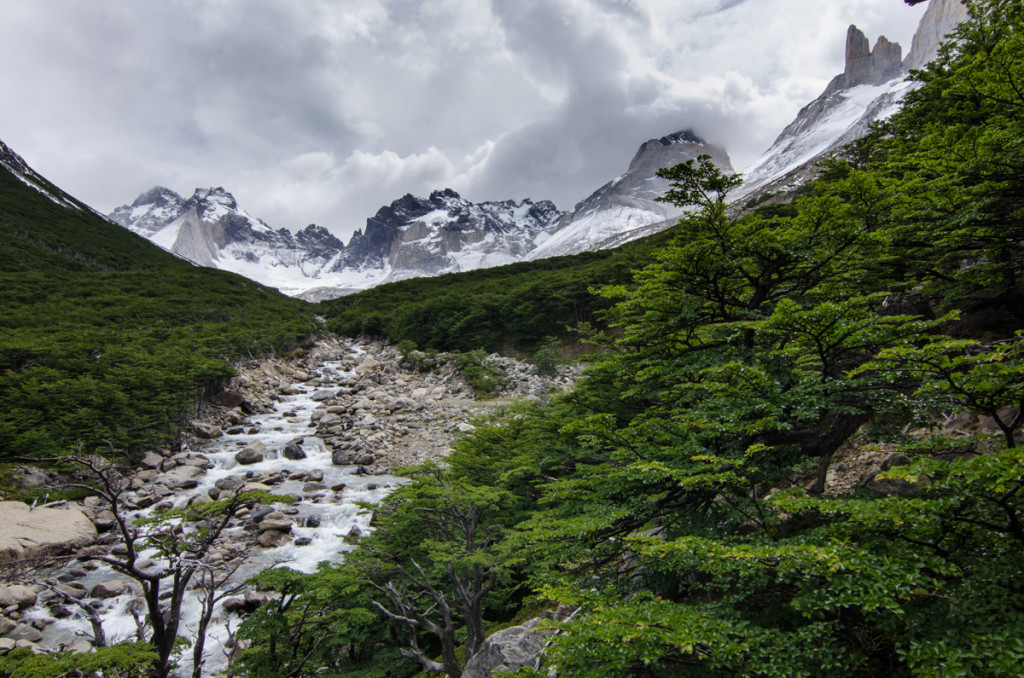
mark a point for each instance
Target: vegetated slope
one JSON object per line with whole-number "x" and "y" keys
{"x": 514, "y": 307}
{"x": 804, "y": 457}
{"x": 107, "y": 341}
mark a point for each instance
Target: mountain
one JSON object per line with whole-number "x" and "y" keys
{"x": 626, "y": 208}
{"x": 411, "y": 237}
{"x": 870, "y": 88}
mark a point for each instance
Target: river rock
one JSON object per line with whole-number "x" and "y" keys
{"x": 206, "y": 431}
{"x": 253, "y": 453}
{"x": 181, "y": 477}
{"x": 229, "y": 483}
{"x": 293, "y": 451}
{"x": 17, "y": 594}
{"x": 25, "y": 632}
{"x": 281, "y": 524}
{"x": 27, "y": 532}
{"x": 151, "y": 460}
{"x": 273, "y": 538}
{"x": 322, "y": 395}
{"x": 111, "y": 589}
{"x": 6, "y": 645}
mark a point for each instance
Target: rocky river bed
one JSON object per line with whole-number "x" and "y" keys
{"x": 324, "y": 427}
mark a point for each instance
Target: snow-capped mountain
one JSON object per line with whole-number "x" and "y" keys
{"x": 17, "y": 166}
{"x": 626, "y": 208}
{"x": 411, "y": 237}
{"x": 210, "y": 229}
{"x": 869, "y": 89}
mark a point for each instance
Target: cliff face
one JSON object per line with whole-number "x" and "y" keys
{"x": 940, "y": 18}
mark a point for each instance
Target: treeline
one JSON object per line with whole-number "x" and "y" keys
{"x": 683, "y": 499}
{"x": 509, "y": 308}
{"x": 107, "y": 342}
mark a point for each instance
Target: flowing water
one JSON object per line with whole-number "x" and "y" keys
{"x": 338, "y": 514}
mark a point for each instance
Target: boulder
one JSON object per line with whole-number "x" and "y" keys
{"x": 229, "y": 484}
{"x": 293, "y": 451}
{"x": 17, "y": 594}
{"x": 6, "y": 645}
{"x": 322, "y": 395}
{"x": 252, "y": 453}
{"x": 27, "y": 532}
{"x": 273, "y": 538}
{"x": 507, "y": 650}
{"x": 152, "y": 460}
{"x": 181, "y": 477}
{"x": 111, "y": 589}
{"x": 275, "y": 524}
{"x": 25, "y": 632}
{"x": 206, "y": 431}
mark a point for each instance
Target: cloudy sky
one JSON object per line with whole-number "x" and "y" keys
{"x": 321, "y": 111}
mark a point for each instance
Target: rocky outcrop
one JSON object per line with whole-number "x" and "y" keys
{"x": 27, "y": 532}
{"x": 508, "y": 650}
{"x": 866, "y": 66}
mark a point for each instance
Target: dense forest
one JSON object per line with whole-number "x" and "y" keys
{"x": 106, "y": 341}
{"x": 797, "y": 452}
{"x": 685, "y": 498}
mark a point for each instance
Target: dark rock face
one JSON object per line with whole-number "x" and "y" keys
{"x": 866, "y": 66}
{"x": 420, "y": 234}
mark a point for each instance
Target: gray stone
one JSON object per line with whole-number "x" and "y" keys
{"x": 229, "y": 484}
{"x": 275, "y": 524}
{"x": 293, "y": 451}
{"x": 508, "y": 650}
{"x": 17, "y": 594}
{"x": 6, "y": 645}
{"x": 111, "y": 589}
{"x": 28, "y": 532}
{"x": 273, "y": 538}
{"x": 181, "y": 477}
{"x": 322, "y": 395}
{"x": 25, "y": 632}
{"x": 206, "y": 431}
{"x": 252, "y": 453}
{"x": 152, "y": 460}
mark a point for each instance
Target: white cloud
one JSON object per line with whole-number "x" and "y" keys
{"x": 324, "y": 110}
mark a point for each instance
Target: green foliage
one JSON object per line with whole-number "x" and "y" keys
{"x": 125, "y": 660}
{"x": 480, "y": 373}
{"x": 514, "y": 307}
{"x": 321, "y": 624}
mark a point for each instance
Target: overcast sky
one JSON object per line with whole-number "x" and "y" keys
{"x": 321, "y": 111}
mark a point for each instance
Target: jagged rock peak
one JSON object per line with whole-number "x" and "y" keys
{"x": 870, "y": 66}
{"x": 215, "y": 195}
{"x": 13, "y": 161}
{"x": 686, "y": 136}
{"x": 157, "y": 195}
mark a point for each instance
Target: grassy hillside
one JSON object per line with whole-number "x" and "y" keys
{"x": 107, "y": 341}
{"x": 509, "y": 308}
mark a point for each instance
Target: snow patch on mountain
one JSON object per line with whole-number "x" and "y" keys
{"x": 625, "y": 208}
